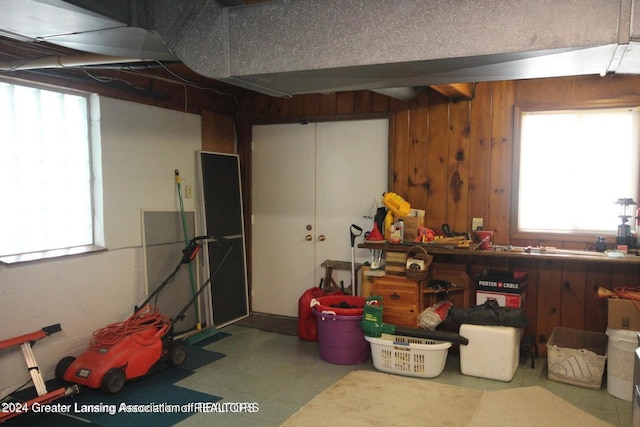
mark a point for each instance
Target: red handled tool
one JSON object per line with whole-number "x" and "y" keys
{"x": 26, "y": 342}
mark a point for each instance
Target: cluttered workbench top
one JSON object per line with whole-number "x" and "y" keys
{"x": 409, "y": 230}
{"x": 508, "y": 252}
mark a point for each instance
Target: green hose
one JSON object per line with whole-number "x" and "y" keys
{"x": 186, "y": 240}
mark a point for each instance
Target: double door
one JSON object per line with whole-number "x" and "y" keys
{"x": 310, "y": 183}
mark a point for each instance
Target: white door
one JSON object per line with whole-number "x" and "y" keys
{"x": 309, "y": 184}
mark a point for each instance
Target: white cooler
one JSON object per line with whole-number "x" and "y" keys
{"x": 493, "y": 351}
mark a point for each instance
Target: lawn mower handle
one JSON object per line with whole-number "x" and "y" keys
{"x": 193, "y": 247}
{"x": 189, "y": 253}
{"x": 180, "y": 315}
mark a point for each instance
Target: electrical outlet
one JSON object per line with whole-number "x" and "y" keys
{"x": 476, "y": 223}
{"x": 188, "y": 191}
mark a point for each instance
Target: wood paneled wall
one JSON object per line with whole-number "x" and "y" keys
{"x": 454, "y": 160}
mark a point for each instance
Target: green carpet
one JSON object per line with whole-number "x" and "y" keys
{"x": 159, "y": 400}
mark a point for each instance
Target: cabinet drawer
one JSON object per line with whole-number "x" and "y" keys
{"x": 399, "y": 319}
{"x": 396, "y": 297}
{"x": 396, "y": 282}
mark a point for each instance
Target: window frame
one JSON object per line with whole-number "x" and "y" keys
{"x": 519, "y": 110}
{"x": 93, "y": 116}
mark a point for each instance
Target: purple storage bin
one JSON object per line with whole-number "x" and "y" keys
{"x": 341, "y": 339}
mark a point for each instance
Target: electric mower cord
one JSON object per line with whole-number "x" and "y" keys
{"x": 145, "y": 318}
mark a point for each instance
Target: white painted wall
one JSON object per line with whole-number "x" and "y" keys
{"x": 141, "y": 148}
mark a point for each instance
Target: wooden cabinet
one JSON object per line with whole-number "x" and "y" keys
{"x": 404, "y": 299}
{"x": 458, "y": 293}
{"x": 400, "y": 300}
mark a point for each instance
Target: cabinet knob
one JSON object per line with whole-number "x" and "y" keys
{"x": 321, "y": 238}
{"x": 309, "y": 227}
{"x": 394, "y": 296}
{"x": 308, "y": 237}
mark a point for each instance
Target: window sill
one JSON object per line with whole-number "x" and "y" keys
{"x": 577, "y": 237}
{"x": 55, "y": 253}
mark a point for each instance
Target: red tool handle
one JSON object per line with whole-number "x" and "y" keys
{"x": 33, "y": 336}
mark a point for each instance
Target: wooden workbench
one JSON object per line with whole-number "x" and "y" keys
{"x": 561, "y": 285}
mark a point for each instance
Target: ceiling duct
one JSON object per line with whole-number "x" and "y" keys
{"x": 290, "y": 47}
{"x": 66, "y": 61}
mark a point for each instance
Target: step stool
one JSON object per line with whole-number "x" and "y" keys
{"x": 330, "y": 284}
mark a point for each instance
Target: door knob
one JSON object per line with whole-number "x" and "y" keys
{"x": 321, "y": 237}
{"x": 308, "y": 237}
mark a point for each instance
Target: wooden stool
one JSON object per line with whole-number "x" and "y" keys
{"x": 329, "y": 265}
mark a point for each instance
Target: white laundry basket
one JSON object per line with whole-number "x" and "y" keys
{"x": 415, "y": 357}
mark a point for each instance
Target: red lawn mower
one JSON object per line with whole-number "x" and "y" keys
{"x": 139, "y": 346}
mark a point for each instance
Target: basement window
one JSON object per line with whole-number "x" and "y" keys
{"x": 46, "y": 173}
{"x": 571, "y": 167}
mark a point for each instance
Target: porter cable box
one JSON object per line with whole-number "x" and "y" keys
{"x": 623, "y": 314}
{"x": 503, "y": 299}
{"x": 512, "y": 282}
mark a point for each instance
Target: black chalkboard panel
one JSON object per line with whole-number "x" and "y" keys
{"x": 222, "y": 197}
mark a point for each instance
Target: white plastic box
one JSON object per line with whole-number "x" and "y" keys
{"x": 577, "y": 357}
{"x": 493, "y": 351}
{"x": 414, "y": 357}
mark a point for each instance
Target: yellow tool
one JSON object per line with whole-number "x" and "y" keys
{"x": 396, "y": 204}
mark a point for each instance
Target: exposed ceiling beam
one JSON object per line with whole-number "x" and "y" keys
{"x": 456, "y": 91}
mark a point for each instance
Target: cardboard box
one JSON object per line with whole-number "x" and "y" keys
{"x": 503, "y": 299}
{"x": 502, "y": 281}
{"x": 577, "y": 357}
{"x": 623, "y": 314}
{"x": 411, "y": 224}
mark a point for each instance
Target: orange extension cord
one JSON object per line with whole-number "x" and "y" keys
{"x": 144, "y": 319}
{"x": 625, "y": 292}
